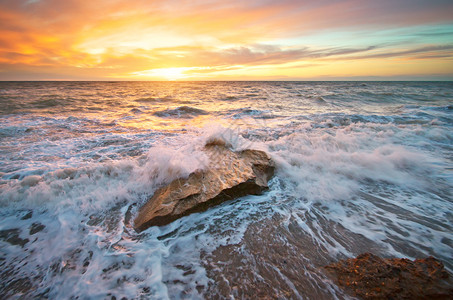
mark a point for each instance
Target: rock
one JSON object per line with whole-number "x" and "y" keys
{"x": 36, "y": 227}
{"x": 229, "y": 175}
{"x": 371, "y": 277}
{"x": 12, "y": 236}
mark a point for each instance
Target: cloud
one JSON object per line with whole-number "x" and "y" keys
{"x": 264, "y": 54}
{"x": 433, "y": 51}
{"x": 119, "y": 37}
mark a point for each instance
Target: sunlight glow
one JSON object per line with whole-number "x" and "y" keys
{"x": 174, "y": 73}
{"x": 164, "y": 73}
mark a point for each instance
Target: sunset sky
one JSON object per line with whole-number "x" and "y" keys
{"x": 226, "y": 40}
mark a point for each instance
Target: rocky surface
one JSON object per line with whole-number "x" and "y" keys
{"x": 229, "y": 175}
{"x": 371, "y": 277}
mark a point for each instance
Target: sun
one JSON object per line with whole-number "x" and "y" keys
{"x": 171, "y": 73}
{"x": 163, "y": 73}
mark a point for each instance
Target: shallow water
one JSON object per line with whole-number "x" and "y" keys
{"x": 361, "y": 166}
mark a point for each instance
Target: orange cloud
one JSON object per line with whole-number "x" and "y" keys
{"x": 100, "y": 39}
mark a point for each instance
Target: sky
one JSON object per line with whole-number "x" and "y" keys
{"x": 226, "y": 40}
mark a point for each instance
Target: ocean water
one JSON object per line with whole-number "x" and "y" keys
{"x": 361, "y": 167}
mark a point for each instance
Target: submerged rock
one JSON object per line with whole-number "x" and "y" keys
{"x": 229, "y": 175}
{"x": 371, "y": 277}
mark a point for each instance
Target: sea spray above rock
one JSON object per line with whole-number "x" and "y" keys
{"x": 229, "y": 175}
{"x": 371, "y": 277}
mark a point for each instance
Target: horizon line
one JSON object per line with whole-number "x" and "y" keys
{"x": 234, "y": 80}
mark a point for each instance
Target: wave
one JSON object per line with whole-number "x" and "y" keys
{"x": 446, "y": 108}
{"x": 53, "y": 101}
{"x": 230, "y": 98}
{"x": 14, "y": 131}
{"x": 337, "y": 120}
{"x": 136, "y": 111}
{"x": 244, "y": 112}
{"x": 156, "y": 99}
{"x": 181, "y": 112}
{"x": 320, "y": 100}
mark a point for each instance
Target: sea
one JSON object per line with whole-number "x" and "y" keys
{"x": 360, "y": 167}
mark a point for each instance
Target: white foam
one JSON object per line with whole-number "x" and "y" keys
{"x": 77, "y": 206}
{"x": 334, "y": 167}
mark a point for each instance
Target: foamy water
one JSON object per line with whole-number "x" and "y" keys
{"x": 361, "y": 167}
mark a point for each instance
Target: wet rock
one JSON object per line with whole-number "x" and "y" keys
{"x": 27, "y": 216}
{"x": 371, "y": 277}
{"x": 36, "y": 227}
{"x": 12, "y": 236}
{"x": 230, "y": 175}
